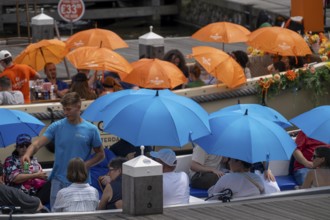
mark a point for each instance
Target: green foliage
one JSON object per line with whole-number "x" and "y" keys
{"x": 314, "y": 79}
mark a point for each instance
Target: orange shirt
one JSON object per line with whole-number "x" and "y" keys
{"x": 19, "y": 75}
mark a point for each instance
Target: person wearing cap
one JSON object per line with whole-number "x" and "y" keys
{"x": 7, "y": 95}
{"x": 73, "y": 137}
{"x": 19, "y": 74}
{"x": 80, "y": 85}
{"x": 175, "y": 184}
{"x": 60, "y": 87}
{"x": 14, "y": 173}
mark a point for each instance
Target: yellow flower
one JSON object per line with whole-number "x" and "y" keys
{"x": 249, "y": 50}
{"x": 324, "y": 58}
{"x": 277, "y": 77}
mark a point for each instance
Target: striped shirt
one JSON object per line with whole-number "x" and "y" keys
{"x": 76, "y": 198}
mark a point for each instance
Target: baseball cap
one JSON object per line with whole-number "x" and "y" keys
{"x": 4, "y": 54}
{"x": 23, "y": 139}
{"x": 165, "y": 155}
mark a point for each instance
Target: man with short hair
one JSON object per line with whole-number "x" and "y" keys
{"x": 175, "y": 184}
{"x": 7, "y": 95}
{"x": 60, "y": 87}
{"x": 19, "y": 74}
{"x": 74, "y": 137}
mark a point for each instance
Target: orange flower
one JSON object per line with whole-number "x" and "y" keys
{"x": 291, "y": 75}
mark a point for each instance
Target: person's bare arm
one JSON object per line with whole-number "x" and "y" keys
{"x": 97, "y": 158}
{"x": 61, "y": 93}
{"x": 36, "y": 76}
{"x": 106, "y": 196}
{"x": 197, "y": 167}
{"x": 308, "y": 180}
{"x": 22, "y": 177}
{"x": 301, "y": 159}
{"x": 34, "y": 147}
{"x": 268, "y": 175}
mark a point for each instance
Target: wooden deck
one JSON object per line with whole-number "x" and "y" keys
{"x": 300, "y": 204}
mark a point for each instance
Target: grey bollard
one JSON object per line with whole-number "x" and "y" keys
{"x": 42, "y": 27}
{"x": 142, "y": 186}
{"x": 151, "y": 45}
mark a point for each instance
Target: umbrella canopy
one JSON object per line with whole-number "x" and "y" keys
{"x": 315, "y": 123}
{"x": 155, "y": 74}
{"x": 222, "y": 32}
{"x": 93, "y": 111}
{"x": 15, "y": 122}
{"x": 246, "y": 137}
{"x": 38, "y": 54}
{"x": 220, "y": 65}
{"x": 155, "y": 117}
{"x": 259, "y": 111}
{"x": 280, "y": 41}
{"x": 95, "y": 58}
{"x": 96, "y": 37}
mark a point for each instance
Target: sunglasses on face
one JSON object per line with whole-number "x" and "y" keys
{"x": 23, "y": 145}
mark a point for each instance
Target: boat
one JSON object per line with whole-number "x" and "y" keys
{"x": 212, "y": 97}
{"x": 289, "y": 102}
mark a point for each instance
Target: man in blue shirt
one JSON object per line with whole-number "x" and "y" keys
{"x": 73, "y": 137}
{"x": 60, "y": 87}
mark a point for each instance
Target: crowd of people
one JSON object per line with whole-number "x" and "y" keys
{"x": 87, "y": 177}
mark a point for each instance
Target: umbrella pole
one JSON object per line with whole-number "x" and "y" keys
{"x": 59, "y": 37}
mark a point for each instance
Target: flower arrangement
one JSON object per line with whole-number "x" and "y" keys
{"x": 324, "y": 50}
{"x": 254, "y": 52}
{"x": 308, "y": 77}
{"x": 312, "y": 38}
{"x": 319, "y": 43}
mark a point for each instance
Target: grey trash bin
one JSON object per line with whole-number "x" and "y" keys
{"x": 151, "y": 45}
{"x": 142, "y": 186}
{"x": 42, "y": 27}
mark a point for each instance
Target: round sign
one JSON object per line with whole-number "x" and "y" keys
{"x": 71, "y": 10}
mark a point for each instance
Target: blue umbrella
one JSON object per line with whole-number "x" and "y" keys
{"x": 259, "y": 110}
{"x": 93, "y": 111}
{"x": 150, "y": 117}
{"x": 315, "y": 123}
{"x": 15, "y": 122}
{"x": 246, "y": 137}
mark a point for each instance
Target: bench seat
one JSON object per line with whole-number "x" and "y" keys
{"x": 286, "y": 182}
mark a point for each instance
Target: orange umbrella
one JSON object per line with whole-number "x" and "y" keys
{"x": 220, "y": 64}
{"x": 155, "y": 74}
{"x": 95, "y": 58}
{"x": 280, "y": 41}
{"x": 223, "y": 32}
{"x": 96, "y": 37}
{"x": 38, "y": 54}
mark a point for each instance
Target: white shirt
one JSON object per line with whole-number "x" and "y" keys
{"x": 76, "y": 198}
{"x": 239, "y": 184}
{"x": 175, "y": 188}
{"x": 11, "y": 98}
{"x": 205, "y": 159}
